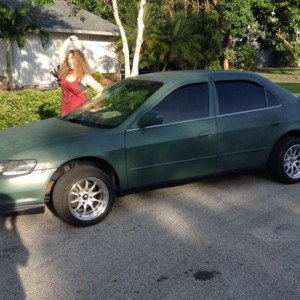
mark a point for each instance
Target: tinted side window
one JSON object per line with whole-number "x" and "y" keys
{"x": 186, "y": 103}
{"x": 272, "y": 101}
{"x": 239, "y": 95}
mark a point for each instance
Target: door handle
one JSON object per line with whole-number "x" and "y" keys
{"x": 275, "y": 123}
{"x": 204, "y": 134}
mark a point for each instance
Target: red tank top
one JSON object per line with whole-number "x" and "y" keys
{"x": 73, "y": 95}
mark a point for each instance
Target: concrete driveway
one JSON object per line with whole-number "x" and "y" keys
{"x": 231, "y": 237}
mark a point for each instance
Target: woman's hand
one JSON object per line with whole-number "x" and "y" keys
{"x": 73, "y": 38}
{"x": 64, "y": 47}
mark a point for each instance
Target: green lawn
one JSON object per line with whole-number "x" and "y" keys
{"x": 287, "y": 71}
{"x": 288, "y": 78}
{"x": 280, "y": 73}
{"x": 290, "y": 86}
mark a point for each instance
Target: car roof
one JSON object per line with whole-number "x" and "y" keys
{"x": 192, "y": 74}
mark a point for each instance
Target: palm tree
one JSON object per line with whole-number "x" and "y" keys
{"x": 209, "y": 40}
{"x": 190, "y": 41}
{"x": 15, "y": 24}
{"x": 176, "y": 40}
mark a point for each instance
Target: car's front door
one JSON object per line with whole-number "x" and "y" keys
{"x": 183, "y": 146}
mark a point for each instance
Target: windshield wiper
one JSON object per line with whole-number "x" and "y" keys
{"x": 87, "y": 123}
{"x": 74, "y": 121}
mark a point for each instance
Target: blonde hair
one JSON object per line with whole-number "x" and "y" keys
{"x": 81, "y": 67}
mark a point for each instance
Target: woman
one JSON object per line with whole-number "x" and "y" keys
{"x": 74, "y": 75}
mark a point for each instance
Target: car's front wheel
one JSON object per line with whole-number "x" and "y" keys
{"x": 284, "y": 163}
{"x": 83, "y": 196}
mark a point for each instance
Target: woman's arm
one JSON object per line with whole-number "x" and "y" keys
{"x": 95, "y": 85}
{"x": 63, "y": 49}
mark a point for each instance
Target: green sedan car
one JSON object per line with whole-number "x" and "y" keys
{"x": 148, "y": 130}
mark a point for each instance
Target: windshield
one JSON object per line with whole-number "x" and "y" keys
{"x": 115, "y": 103}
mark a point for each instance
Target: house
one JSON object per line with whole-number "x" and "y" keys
{"x": 32, "y": 64}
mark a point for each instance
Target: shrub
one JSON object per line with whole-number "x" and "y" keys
{"x": 28, "y": 106}
{"x": 247, "y": 58}
{"x": 284, "y": 58}
{"x": 98, "y": 76}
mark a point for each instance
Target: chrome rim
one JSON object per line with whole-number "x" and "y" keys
{"x": 88, "y": 198}
{"x": 291, "y": 162}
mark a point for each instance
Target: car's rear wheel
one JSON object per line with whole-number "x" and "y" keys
{"x": 284, "y": 163}
{"x": 83, "y": 196}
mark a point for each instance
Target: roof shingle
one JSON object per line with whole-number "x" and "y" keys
{"x": 62, "y": 17}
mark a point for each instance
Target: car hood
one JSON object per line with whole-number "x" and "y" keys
{"x": 42, "y": 133}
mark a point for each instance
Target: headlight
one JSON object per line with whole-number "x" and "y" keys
{"x": 16, "y": 167}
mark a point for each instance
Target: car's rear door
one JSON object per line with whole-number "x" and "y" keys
{"x": 183, "y": 146}
{"x": 249, "y": 121}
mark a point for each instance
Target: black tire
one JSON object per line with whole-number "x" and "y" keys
{"x": 284, "y": 163}
{"x": 83, "y": 196}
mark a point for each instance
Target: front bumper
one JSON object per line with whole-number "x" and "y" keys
{"x": 25, "y": 193}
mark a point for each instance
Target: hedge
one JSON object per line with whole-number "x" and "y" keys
{"x": 28, "y": 106}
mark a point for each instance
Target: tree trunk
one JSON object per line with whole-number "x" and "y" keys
{"x": 226, "y": 64}
{"x": 124, "y": 39}
{"x": 8, "y": 64}
{"x": 139, "y": 39}
{"x": 227, "y": 48}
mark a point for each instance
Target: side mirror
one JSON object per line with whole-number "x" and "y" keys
{"x": 150, "y": 119}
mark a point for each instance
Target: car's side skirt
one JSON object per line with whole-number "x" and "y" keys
{"x": 24, "y": 209}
